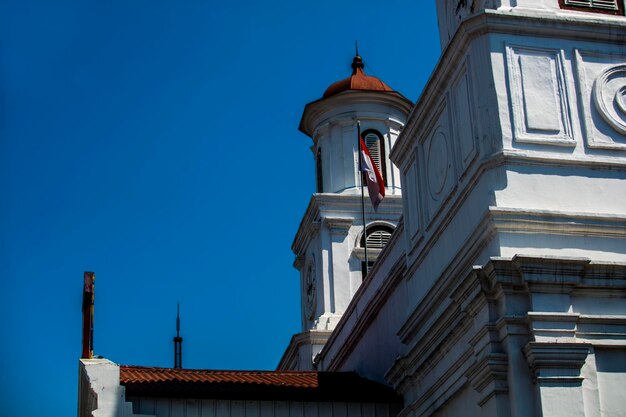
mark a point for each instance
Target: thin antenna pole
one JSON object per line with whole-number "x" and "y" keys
{"x": 358, "y": 127}
{"x": 356, "y": 47}
{"x": 178, "y": 319}
{"x": 178, "y": 342}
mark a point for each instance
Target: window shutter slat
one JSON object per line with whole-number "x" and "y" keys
{"x": 373, "y": 146}
{"x": 599, "y": 4}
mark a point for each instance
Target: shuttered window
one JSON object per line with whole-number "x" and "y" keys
{"x": 597, "y": 6}
{"x": 376, "y": 147}
{"x": 378, "y": 239}
{"x": 373, "y": 146}
{"x": 377, "y": 236}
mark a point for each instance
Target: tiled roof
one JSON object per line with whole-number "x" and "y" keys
{"x": 357, "y": 81}
{"x": 253, "y": 385}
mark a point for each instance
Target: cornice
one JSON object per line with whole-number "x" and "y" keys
{"x": 533, "y": 158}
{"x": 315, "y": 112}
{"x": 429, "y": 326}
{"x": 508, "y": 220}
{"x": 309, "y": 337}
{"x": 332, "y": 205}
{"x": 579, "y": 27}
{"x": 606, "y": 225}
{"x": 338, "y": 225}
{"x": 557, "y": 362}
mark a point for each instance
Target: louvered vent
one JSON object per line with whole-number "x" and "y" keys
{"x": 378, "y": 239}
{"x": 594, "y": 4}
{"x": 373, "y": 146}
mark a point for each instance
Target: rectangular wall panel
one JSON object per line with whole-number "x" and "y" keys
{"x": 538, "y": 96}
{"x": 464, "y": 114}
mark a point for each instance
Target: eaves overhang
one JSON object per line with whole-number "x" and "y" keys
{"x": 315, "y": 111}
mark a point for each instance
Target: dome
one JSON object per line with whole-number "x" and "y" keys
{"x": 357, "y": 81}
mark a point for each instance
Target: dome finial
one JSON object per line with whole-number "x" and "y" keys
{"x": 357, "y": 62}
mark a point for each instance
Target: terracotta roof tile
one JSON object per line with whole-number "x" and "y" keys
{"x": 357, "y": 81}
{"x": 143, "y": 381}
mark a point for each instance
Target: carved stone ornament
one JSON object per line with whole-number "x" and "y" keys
{"x": 602, "y": 91}
{"x": 609, "y": 96}
{"x": 438, "y": 164}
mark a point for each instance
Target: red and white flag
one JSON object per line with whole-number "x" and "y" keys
{"x": 375, "y": 183}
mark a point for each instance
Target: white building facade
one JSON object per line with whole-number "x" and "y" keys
{"x": 499, "y": 282}
{"x": 503, "y": 290}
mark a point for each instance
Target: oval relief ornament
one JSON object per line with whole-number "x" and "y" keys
{"x": 438, "y": 162}
{"x": 609, "y": 96}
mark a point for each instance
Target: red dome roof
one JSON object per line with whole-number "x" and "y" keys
{"x": 357, "y": 81}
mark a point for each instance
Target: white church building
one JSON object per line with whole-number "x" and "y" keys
{"x": 495, "y": 280}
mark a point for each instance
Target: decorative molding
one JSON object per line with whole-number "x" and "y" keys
{"x": 489, "y": 376}
{"x": 436, "y": 170}
{"x": 437, "y": 324}
{"x": 338, "y": 225}
{"x": 609, "y": 96}
{"x": 392, "y": 123}
{"x": 549, "y": 222}
{"x": 438, "y": 162}
{"x": 322, "y": 204}
{"x": 550, "y": 274}
{"x": 412, "y": 206}
{"x": 522, "y": 158}
{"x": 309, "y": 337}
{"x": 489, "y": 302}
{"x": 601, "y": 80}
{"x": 580, "y": 27}
{"x": 372, "y": 253}
{"x": 465, "y": 120}
{"x": 557, "y": 362}
{"x": 334, "y": 108}
{"x": 538, "y": 96}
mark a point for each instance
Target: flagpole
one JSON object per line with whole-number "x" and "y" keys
{"x": 358, "y": 127}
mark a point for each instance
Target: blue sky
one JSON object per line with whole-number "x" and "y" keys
{"x": 156, "y": 144}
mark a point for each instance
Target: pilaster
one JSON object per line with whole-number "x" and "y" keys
{"x": 556, "y": 369}
{"x": 339, "y": 271}
{"x": 489, "y": 378}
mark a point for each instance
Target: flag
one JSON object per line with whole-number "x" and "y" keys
{"x": 375, "y": 183}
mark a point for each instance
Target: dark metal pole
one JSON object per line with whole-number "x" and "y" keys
{"x": 358, "y": 127}
{"x": 178, "y": 342}
{"x": 89, "y": 280}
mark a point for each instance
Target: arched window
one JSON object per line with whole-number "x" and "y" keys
{"x": 376, "y": 147}
{"x": 377, "y": 237}
{"x": 318, "y": 171}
